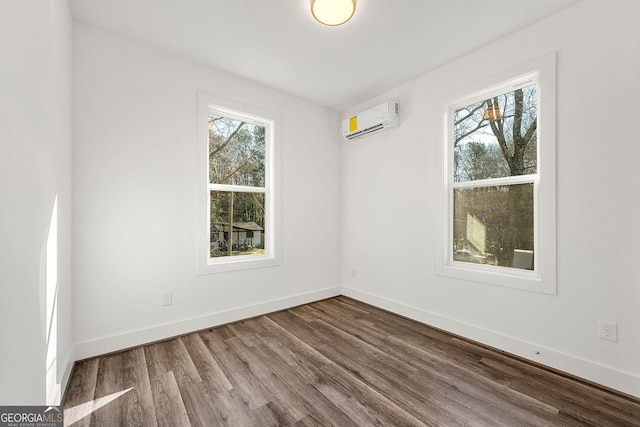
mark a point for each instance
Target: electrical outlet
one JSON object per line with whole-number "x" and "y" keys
{"x": 607, "y": 330}
{"x": 354, "y": 273}
{"x": 166, "y": 298}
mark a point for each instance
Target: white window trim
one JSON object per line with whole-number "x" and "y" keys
{"x": 272, "y": 255}
{"x": 543, "y": 278}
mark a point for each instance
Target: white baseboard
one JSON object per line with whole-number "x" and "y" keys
{"x": 96, "y": 347}
{"x": 625, "y": 382}
{"x": 607, "y": 376}
{"x": 68, "y": 368}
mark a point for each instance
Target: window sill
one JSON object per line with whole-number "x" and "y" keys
{"x": 500, "y": 276}
{"x": 219, "y": 265}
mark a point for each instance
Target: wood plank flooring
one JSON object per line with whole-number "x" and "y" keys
{"x": 334, "y": 362}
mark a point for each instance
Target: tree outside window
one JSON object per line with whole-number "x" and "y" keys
{"x": 494, "y": 176}
{"x": 237, "y": 186}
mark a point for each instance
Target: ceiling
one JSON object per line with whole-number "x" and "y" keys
{"x": 277, "y": 43}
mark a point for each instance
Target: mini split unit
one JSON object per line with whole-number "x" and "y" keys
{"x": 373, "y": 120}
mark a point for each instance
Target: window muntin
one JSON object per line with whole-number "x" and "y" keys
{"x": 494, "y": 173}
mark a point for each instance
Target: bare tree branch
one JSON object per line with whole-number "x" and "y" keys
{"x": 517, "y": 115}
{"x": 240, "y": 166}
{"x": 531, "y": 131}
{"x": 496, "y": 128}
{"x": 479, "y": 126}
{"x": 471, "y": 113}
{"x": 228, "y": 140}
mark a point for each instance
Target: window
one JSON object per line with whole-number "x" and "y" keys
{"x": 498, "y": 166}
{"x": 238, "y": 223}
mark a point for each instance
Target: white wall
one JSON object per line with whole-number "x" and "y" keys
{"x": 134, "y": 233}
{"x": 135, "y": 201}
{"x": 388, "y": 184}
{"x": 35, "y": 158}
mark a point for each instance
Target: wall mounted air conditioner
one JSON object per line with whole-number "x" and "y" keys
{"x": 373, "y": 120}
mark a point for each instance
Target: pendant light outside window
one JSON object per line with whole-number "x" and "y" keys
{"x": 333, "y": 12}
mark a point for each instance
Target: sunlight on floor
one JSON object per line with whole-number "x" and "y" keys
{"x": 72, "y": 415}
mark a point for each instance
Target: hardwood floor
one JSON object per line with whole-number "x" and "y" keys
{"x": 333, "y": 362}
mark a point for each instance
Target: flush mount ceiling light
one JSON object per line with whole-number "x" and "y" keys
{"x": 333, "y": 12}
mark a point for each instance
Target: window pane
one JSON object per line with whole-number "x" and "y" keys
{"x": 241, "y": 233}
{"x": 497, "y": 137}
{"x": 236, "y": 152}
{"x": 494, "y": 225}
